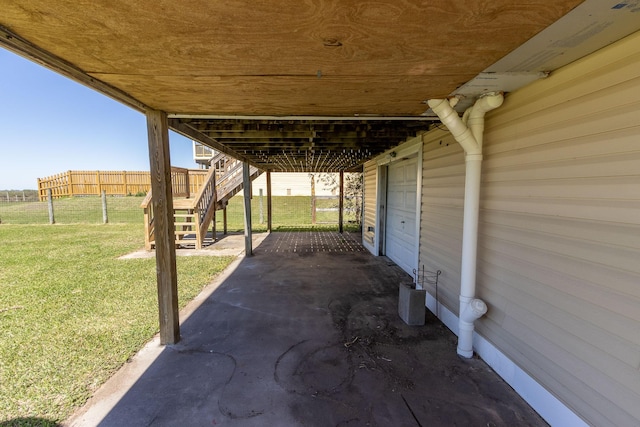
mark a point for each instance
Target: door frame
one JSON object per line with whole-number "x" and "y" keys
{"x": 412, "y": 148}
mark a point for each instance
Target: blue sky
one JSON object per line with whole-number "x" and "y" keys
{"x": 50, "y": 124}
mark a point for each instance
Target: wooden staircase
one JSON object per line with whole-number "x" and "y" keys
{"x": 229, "y": 178}
{"x": 193, "y": 216}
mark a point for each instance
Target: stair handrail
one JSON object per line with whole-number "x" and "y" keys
{"x": 228, "y": 181}
{"x": 146, "y": 200}
{"x": 204, "y": 205}
{"x": 149, "y": 221}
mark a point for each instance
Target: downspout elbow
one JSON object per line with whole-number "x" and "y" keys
{"x": 476, "y": 114}
{"x": 449, "y": 117}
{"x": 471, "y": 309}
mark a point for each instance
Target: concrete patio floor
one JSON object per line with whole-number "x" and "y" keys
{"x": 305, "y": 333}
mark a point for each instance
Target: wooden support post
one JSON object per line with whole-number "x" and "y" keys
{"x": 313, "y": 199}
{"x": 269, "y": 219}
{"x": 187, "y": 184}
{"x": 162, "y": 203}
{"x": 52, "y": 219}
{"x": 214, "y": 233}
{"x": 224, "y": 220}
{"x": 341, "y": 204}
{"x": 261, "y": 208}
{"x": 246, "y": 185}
{"x": 105, "y": 218}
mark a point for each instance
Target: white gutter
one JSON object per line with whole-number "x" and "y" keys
{"x": 468, "y": 132}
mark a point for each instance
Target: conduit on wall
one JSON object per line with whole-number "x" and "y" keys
{"x": 468, "y": 132}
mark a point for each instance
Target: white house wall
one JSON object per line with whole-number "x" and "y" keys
{"x": 441, "y": 219}
{"x": 559, "y": 239}
{"x": 370, "y": 206}
{"x": 291, "y": 184}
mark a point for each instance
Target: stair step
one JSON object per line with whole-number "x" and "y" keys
{"x": 179, "y": 242}
{"x": 184, "y": 224}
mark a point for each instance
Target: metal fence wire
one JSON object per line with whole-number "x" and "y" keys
{"x": 287, "y": 212}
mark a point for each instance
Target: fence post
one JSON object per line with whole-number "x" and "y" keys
{"x": 105, "y": 218}
{"x": 98, "y": 183}
{"x": 70, "y": 183}
{"x": 124, "y": 179}
{"x": 50, "y": 202}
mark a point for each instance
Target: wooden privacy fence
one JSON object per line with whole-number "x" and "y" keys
{"x": 185, "y": 182}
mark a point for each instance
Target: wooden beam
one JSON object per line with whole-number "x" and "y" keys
{"x": 24, "y": 48}
{"x": 162, "y": 203}
{"x": 246, "y": 187}
{"x": 191, "y": 133}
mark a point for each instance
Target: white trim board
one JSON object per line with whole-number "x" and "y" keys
{"x": 544, "y": 403}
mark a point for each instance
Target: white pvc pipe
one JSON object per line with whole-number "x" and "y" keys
{"x": 468, "y": 132}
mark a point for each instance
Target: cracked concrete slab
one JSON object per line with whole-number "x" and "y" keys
{"x": 225, "y": 245}
{"x": 306, "y": 333}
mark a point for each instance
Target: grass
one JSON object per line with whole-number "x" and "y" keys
{"x": 288, "y": 212}
{"x": 71, "y": 313}
{"x": 73, "y": 210}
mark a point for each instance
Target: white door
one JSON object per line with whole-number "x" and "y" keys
{"x": 401, "y": 232}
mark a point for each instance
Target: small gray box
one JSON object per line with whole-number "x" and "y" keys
{"x": 411, "y": 305}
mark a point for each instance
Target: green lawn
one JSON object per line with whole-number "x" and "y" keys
{"x": 71, "y": 313}
{"x": 73, "y": 210}
{"x": 289, "y": 212}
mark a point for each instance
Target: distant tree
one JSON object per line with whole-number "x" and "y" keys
{"x": 352, "y": 191}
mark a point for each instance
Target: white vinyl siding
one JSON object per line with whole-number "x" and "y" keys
{"x": 370, "y": 202}
{"x": 441, "y": 214}
{"x": 559, "y": 240}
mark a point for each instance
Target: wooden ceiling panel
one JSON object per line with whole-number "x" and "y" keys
{"x": 291, "y": 95}
{"x": 280, "y": 38}
{"x": 338, "y": 58}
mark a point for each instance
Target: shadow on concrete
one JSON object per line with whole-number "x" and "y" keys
{"x": 306, "y": 332}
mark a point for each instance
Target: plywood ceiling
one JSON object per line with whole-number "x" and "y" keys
{"x": 287, "y": 57}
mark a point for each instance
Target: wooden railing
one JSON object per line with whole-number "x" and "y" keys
{"x": 117, "y": 183}
{"x": 229, "y": 172}
{"x": 149, "y": 222}
{"x": 193, "y": 215}
{"x": 205, "y": 207}
{"x": 199, "y": 210}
